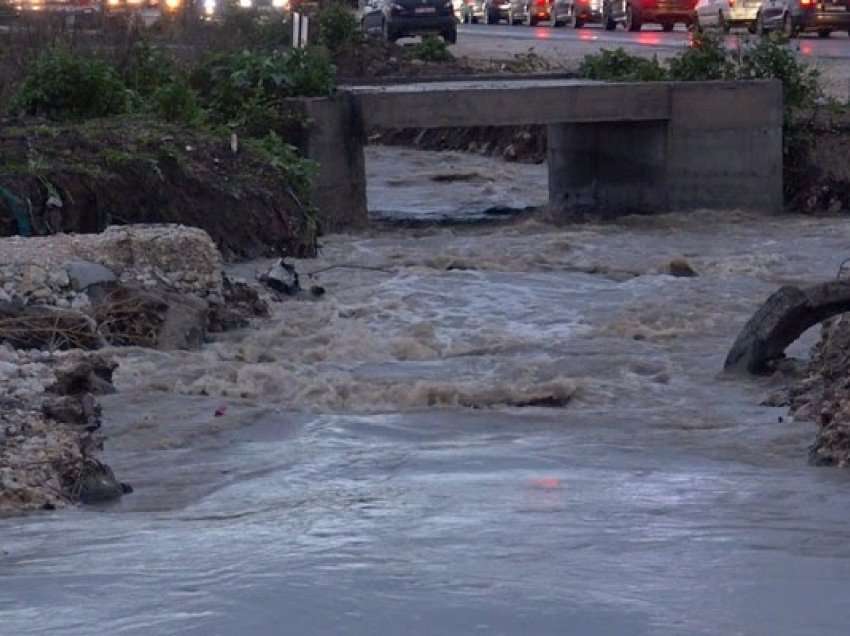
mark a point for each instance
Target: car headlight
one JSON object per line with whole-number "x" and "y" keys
{"x": 280, "y": 4}
{"x": 246, "y": 4}
{"x": 173, "y": 5}
{"x": 209, "y": 7}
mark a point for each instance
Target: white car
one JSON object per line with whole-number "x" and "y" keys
{"x": 724, "y": 14}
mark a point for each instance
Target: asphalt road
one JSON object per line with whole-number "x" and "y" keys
{"x": 593, "y": 37}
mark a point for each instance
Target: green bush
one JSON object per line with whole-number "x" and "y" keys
{"x": 431, "y": 49}
{"x": 338, "y": 27}
{"x": 63, "y": 85}
{"x": 176, "y": 102}
{"x": 147, "y": 69}
{"x": 770, "y": 58}
{"x": 236, "y": 88}
{"x": 619, "y": 66}
{"x": 284, "y": 157}
{"x": 706, "y": 59}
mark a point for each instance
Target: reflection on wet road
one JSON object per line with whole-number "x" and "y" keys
{"x": 593, "y": 37}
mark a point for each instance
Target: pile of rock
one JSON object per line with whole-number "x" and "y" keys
{"x": 49, "y": 430}
{"x": 155, "y": 286}
{"x": 147, "y": 285}
{"x": 57, "y": 270}
{"x": 823, "y": 396}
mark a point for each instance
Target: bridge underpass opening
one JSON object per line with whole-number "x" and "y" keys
{"x": 455, "y": 176}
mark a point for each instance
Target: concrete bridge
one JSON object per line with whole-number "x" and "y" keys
{"x": 612, "y": 148}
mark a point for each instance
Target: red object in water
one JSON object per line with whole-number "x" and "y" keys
{"x": 221, "y": 410}
{"x": 546, "y": 483}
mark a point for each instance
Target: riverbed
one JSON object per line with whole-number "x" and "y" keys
{"x": 478, "y": 429}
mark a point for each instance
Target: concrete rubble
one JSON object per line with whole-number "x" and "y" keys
{"x": 144, "y": 285}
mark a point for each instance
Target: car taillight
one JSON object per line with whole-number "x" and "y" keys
{"x": 807, "y": 3}
{"x": 731, "y": 3}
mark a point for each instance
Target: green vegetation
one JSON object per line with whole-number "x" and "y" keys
{"x": 240, "y": 92}
{"x": 619, "y": 66}
{"x": 284, "y": 158}
{"x": 431, "y": 49}
{"x": 338, "y": 28}
{"x": 708, "y": 59}
{"x": 63, "y": 85}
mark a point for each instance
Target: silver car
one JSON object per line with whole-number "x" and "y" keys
{"x": 724, "y": 14}
{"x": 575, "y": 13}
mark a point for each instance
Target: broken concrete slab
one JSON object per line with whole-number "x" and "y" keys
{"x": 783, "y": 318}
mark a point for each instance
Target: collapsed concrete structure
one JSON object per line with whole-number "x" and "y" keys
{"x": 645, "y": 147}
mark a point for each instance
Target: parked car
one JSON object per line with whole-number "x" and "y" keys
{"x": 633, "y": 14}
{"x": 487, "y": 11}
{"x": 796, "y": 16}
{"x": 725, "y": 14}
{"x": 394, "y": 19}
{"x": 575, "y": 13}
{"x": 529, "y": 12}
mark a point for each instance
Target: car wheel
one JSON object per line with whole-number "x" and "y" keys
{"x": 607, "y": 21}
{"x": 788, "y": 27}
{"x": 751, "y": 28}
{"x": 450, "y": 36}
{"x": 488, "y": 16}
{"x": 667, "y": 27}
{"x": 632, "y": 20}
{"x": 578, "y": 23}
{"x": 824, "y": 33}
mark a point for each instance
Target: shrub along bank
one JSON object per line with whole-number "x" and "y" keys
{"x": 89, "y": 137}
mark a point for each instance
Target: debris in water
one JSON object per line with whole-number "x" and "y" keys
{"x": 681, "y": 268}
{"x": 282, "y": 278}
{"x": 221, "y": 410}
{"x": 317, "y": 290}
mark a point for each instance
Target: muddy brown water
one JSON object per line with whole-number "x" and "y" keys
{"x": 369, "y": 475}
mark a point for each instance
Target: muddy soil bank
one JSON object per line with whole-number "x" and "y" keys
{"x": 526, "y": 144}
{"x": 84, "y": 177}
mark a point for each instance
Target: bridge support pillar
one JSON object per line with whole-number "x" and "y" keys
{"x": 610, "y": 168}
{"x": 719, "y": 148}
{"x": 333, "y": 137}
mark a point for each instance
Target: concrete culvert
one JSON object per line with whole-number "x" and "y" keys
{"x": 783, "y": 318}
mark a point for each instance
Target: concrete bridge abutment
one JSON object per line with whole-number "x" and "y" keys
{"x": 613, "y": 149}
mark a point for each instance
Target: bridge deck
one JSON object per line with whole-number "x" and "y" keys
{"x": 508, "y": 102}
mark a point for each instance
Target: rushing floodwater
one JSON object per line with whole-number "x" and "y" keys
{"x": 374, "y": 473}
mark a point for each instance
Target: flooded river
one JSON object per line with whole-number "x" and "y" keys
{"x": 513, "y": 429}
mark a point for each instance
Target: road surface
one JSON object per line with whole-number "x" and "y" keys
{"x": 594, "y": 37}
{"x": 565, "y": 47}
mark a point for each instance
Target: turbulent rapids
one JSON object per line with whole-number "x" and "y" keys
{"x": 479, "y": 428}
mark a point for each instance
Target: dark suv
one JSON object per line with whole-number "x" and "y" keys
{"x": 396, "y": 19}
{"x": 794, "y": 16}
{"x": 635, "y": 13}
